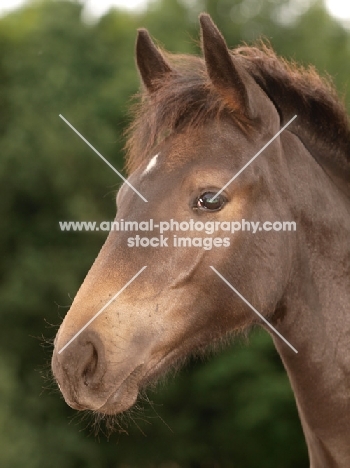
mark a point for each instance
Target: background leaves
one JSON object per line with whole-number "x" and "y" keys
{"x": 236, "y": 408}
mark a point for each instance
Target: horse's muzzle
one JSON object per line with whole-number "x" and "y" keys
{"x": 88, "y": 380}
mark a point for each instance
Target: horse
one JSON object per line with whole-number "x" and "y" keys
{"x": 149, "y": 302}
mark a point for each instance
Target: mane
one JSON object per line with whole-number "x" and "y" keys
{"x": 188, "y": 98}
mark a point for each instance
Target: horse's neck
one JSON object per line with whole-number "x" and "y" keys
{"x": 318, "y": 326}
{"x": 317, "y": 318}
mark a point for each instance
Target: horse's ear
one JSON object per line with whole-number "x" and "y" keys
{"x": 226, "y": 76}
{"x": 152, "y": 65}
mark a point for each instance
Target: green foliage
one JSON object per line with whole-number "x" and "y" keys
{"x": 236, "y": 408}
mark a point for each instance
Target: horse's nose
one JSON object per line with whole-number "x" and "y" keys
{"x": 79, "y": 369}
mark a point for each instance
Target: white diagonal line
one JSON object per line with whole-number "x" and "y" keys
{"x": 104, "y": 159}
{"x": 101, "y": 310}
{"x": 251, "y": 160}
{"x": 253, "y": 309}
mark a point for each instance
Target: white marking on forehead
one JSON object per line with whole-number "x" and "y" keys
{"x": 151, "y": 164}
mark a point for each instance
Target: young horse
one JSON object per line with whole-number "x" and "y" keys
{"x": 199, "y": 122}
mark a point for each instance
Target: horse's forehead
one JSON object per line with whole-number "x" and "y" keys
{"x": 194, "y": 145}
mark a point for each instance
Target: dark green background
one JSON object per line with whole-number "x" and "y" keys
{"x": 234, "y": 409}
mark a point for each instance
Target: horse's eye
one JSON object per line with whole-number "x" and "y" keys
{"x": 208, "y": 201}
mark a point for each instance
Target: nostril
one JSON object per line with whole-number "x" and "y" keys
{"x": 80, "y": 369}
{"x": 91, "y": 366}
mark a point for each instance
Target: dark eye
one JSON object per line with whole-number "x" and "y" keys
{"x": 209, "y": 201}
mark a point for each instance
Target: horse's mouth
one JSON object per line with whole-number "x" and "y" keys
{"x": 126, "y": 394}
{"x": 160, "y": 367}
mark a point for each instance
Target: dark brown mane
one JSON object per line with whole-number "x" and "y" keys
{"x": 188, "y": 98}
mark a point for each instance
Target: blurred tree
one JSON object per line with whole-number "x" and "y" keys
{"x": 237, "y": 408}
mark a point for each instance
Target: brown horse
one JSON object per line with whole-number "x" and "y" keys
{"x": 199, "y": 122}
